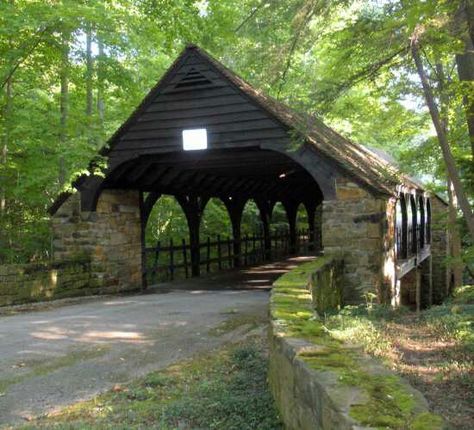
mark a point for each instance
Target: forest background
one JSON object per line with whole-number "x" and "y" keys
{"x": 396, "y": 76}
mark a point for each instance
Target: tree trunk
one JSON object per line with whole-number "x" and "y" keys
{"x": 453, "y": 173}
{"x": 5, "y": 141}
{"x": 456, "y": 264}
{"x": 100, "y": 87}
{"x": 63, "y": 106}
{"x": 465, "y": 67}
{"x": 89, "y": 85}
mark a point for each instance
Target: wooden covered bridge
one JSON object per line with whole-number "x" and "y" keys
{"x": 204, "y": 132}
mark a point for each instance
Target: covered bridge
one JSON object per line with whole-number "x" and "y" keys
{"x": 204, "y": 132}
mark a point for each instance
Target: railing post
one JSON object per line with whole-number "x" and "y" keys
{"x": 171, "y": 268}
{"x": 229, "y": 251}
{"x": 219, "y": 253}
{"x": 208, "y": 255}
{"x": 155, "y": 263}
{"x": 185, "y": 258}
{"x": 246, "y": 249}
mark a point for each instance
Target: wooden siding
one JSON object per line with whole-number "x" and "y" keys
{"x": 197, "y": 97}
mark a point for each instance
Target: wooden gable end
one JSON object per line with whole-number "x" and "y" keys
{"x": 197, "y": 95}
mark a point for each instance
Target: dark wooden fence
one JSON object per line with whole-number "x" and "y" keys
{"x": 169, "y": 261}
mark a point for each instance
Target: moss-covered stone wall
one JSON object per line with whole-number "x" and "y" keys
{"x": 319, "y": 382}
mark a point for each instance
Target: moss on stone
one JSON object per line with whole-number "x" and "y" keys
{"x": 390, "y": 402}
{"x": 427, "y": 421}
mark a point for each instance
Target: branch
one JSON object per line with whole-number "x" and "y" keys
{"x": 453, "y": 172}
{"x": 368, "y": 72}
{"x": 304, "y": 23}
{"x": 21, "y": 60}
{"x": 250, "y": 16}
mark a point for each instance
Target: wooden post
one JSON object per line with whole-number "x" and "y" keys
{"x": 229, "y": 251}
{"x": 208, "y": 255}
{"x": 246, "y": 249}
{"x": 219, "y": 253}
{"x": 254, "y": 248}
{"x": 310, "y": 207}
{"x": 418, "y": 289}
{"x": 266, "y": 208}
{"x": 235, "y": 207}
{"x": 155, "y": 263}
{"x": 291, "y": 209}
{"x": 193, "y": 207}
{"x": 185, "y": 258}
{"x": 171, "y": 268}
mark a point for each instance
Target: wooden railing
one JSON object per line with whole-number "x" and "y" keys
{"x": 166, "y": 262}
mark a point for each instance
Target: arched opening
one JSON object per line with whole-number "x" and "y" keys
{"x": 252, "y": 234}
{"x": 401, "y": 228}
{"x": 217, "y": 238}
{"x": 414, "y": 226}
{"x": 428, "y": 221}
{"x": 280, "y": 231}
{"x": 421, "y": 222}
{"x": 165, "y": 235}
{"x": 304, "y": 239}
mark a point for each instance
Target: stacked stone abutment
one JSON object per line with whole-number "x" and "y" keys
{"x": 353, "y": 229}
{"x": 109, "y": 238}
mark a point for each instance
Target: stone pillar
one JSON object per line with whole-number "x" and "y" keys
{"x": 353, "y": 227}
{"x": 110, "y": 238}
{"x": 439, "y": 249}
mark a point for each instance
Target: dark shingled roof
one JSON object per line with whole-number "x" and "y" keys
{"x": 368, "y": 167}
{"x": 358, "y": 160}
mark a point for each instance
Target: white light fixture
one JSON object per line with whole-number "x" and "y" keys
{"x": 194, "y": 139}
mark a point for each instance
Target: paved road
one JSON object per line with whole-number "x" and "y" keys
{"x": 54, "y": 357}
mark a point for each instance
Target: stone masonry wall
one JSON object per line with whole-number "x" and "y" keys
{"x": 109, "y": 238}
{"x": 23, "y": 283}
{"x": 354, "y": 227}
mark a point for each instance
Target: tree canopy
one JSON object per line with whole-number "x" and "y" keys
{"x": 72, "y": 71}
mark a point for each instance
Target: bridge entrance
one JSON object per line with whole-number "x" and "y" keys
{"x": 203, "y": 132}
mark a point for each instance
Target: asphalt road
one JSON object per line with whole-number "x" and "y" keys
{"x": 55, "y": 357}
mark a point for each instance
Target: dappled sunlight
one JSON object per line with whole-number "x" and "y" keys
{"x": 114, "y": 335}
{"x": 122, "y": 302}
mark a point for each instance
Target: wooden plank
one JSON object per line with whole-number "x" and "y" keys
{"x": 241, "y": 127}
{"x": 156, "y": 146}
{"x": 204, "y": 112}
{"x": 217, "y": 88}
{"x": 196, "y": 122}
{"x": 215, "y": 102}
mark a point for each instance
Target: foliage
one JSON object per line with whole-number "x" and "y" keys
{"x": 343, "y": 60}
{"x": 224, "y": 389}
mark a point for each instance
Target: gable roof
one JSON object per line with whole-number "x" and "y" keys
{"x": 359, "y": 162}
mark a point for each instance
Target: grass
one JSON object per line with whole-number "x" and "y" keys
{"x": 224, "y": 389}
{"x": 433, "y": 350}
{"x": 39, "y": 368}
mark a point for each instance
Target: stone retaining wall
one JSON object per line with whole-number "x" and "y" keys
{"x": 319, "y": 383}
{"x": 23, "y": 283}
